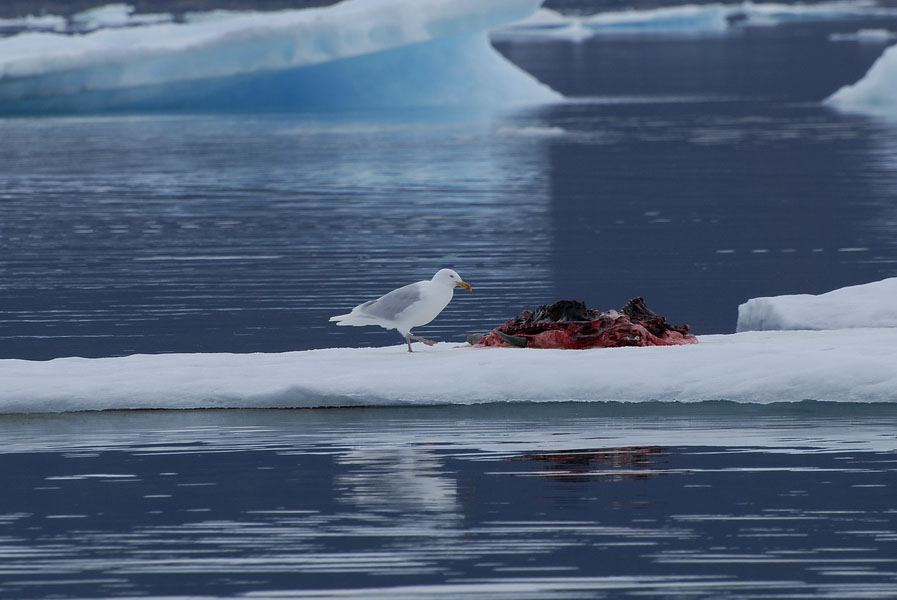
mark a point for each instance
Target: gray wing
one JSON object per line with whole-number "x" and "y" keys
{"x": 390, "y": 305}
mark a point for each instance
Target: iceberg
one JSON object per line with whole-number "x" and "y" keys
{"x": 867, "y": 305}
{"x": 875, "y": 94}
{"x": 359, "y": 53}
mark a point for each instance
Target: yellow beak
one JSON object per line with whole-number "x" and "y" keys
{"x": 464, "y": 284}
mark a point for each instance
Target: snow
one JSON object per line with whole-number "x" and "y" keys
{"x": 867, "y": 305}
{"x": 854, "y": 365}
{"x": 362, "y": 52}
{"x": 875, "y": 94}
{"x": 839, "y": 347}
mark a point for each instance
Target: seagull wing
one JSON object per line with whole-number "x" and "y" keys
{"x": 391, "y": 305}
{"x": 385, "y": 309}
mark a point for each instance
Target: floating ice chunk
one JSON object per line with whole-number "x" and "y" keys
{"x": 872, "y": 36}
{"x": 531, "y": 131}
{"x": 115, "y": 15}
{"x": 875, "y": 94}
{"x": 110, "y": 15}
{"x": 689, "y": 19}
{"x": 545, "y": 23}
{"x": 685, "y": 19}
{"x": 868, "y": 305}
{"x": 33, "y": 23}
{"x": 781, "y": 12}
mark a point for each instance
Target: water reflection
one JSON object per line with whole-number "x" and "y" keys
{"x": 612, "y": 464}
{"x": 407, "y": 481}
{"x": 505, "y": 501}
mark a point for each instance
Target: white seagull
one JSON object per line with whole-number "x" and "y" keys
{"x": 409, "y": 306}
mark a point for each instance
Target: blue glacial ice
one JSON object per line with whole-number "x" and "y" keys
{"x": 356, "y": 54}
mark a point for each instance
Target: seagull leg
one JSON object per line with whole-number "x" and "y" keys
{"x": 423, "y": 340}
{"x": 408, "y": 341}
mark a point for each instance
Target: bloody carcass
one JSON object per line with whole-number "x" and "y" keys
{"x": 569, "y": 324}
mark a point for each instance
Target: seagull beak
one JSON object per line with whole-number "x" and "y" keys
{"x": 464, "y": 284}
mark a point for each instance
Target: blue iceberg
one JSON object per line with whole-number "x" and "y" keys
{"x": 356, "y": 54}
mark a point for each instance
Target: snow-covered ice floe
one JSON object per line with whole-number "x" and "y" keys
{"x": 854, "y": 365}
{"x": 366, "y": 53}
{"x": 875, "y": 94}
{"x": 868, "y": 305}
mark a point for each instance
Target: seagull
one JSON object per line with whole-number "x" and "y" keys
{"x": 409, "y": 306}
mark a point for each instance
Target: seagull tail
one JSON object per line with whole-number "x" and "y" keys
{"x": 353, "y": 319}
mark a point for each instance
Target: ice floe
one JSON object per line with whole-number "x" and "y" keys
{"x": 868, "y": 305}
{"x": 835, "y": 347}
{"x": 875, "y": 94}
{"x": 852, "y": 365}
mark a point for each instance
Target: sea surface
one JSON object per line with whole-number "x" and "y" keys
{"x": 695, "y": 171}
{"x": 503, "y": 501}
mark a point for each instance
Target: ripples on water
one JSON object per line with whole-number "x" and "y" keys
{"x": 687, "y": 185}
{"x": 554, "y": 502}
{"x": 209, "y": 234}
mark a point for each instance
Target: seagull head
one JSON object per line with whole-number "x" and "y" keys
{"x": 450, "y": 278}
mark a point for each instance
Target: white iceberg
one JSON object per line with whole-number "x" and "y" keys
{"x": 868, "y": 305}
{"x": 875, "y": 94}
{"x": 361, "y": 52}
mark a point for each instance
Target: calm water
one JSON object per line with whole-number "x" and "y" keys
{"x": 538, "y": 501}
{"x": 697, "y": 172}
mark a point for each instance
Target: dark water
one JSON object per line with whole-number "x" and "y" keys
{"x": 539, "y": 501}
{"x": 696, "y": 172}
